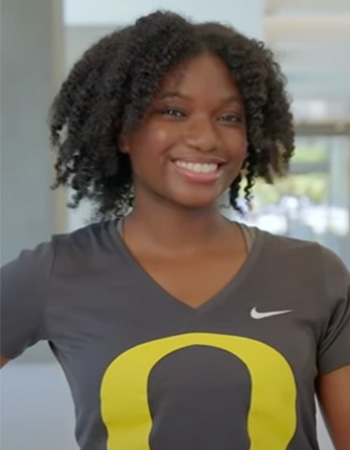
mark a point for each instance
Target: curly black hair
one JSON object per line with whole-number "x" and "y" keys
{"x": 109, "y": 89}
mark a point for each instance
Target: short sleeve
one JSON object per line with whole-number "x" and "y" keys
{"x": 334, "y": 346}
{"x": 24, "y": 285}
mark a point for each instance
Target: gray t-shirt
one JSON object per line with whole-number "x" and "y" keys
{"x": 148, "y": 372}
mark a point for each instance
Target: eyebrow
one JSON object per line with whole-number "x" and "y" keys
{"x": 173, "y": 94}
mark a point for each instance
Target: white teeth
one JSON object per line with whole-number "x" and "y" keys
{"x": 197, "y": 167}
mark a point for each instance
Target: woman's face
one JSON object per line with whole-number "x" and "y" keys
{"x": 192, "y": 141}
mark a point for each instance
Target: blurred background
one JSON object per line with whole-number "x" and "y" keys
{"x": 41, "y": 39}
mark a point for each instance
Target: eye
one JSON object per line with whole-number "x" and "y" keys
{"x": 173, "y": 112}
{"x": 231, "y": 118}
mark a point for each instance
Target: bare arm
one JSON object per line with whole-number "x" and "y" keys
{"x": 334, "y": 397}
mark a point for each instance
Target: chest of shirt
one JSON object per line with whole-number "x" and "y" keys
{"x": 121, "y": 314}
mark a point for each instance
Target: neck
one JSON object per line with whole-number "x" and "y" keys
{"x": 173, "y": 228}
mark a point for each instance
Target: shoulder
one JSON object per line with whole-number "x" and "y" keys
{"x": 298, "y": 250}
{"x": 89, "y": 238}
{"x": 85, "y": 246}
{"x": 305, "y": 259}
{"x": 82, "y": 245}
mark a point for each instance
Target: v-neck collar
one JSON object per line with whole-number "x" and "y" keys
{"x": 227, "y": 291}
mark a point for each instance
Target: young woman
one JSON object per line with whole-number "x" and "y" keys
{"x": 177, "y": 329}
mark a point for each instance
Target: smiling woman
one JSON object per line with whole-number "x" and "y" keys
{"x": 137, "y": 70}
{"x": 176, "y": 328}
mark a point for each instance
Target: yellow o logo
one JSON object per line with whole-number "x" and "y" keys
{"x": 271, "y": 421}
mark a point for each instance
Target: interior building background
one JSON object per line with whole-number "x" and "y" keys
{"x": 41, "y": 39}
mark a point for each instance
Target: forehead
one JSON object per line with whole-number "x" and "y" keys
{"x": 202, "y": 72}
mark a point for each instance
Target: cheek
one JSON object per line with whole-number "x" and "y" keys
{"x": 149, "y": 148}
{"x": 154, "y": 142}
{"x": 237, "y": 146}
{"x": 159, "y": 138}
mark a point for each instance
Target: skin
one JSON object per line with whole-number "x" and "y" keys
{"x": 176, "y": 230}
{"x": 333, "y": 391}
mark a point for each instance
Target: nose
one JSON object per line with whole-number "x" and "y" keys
{"x": 201, "y": 134}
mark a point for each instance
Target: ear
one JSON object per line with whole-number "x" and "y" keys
{"x": 124, "y": 143}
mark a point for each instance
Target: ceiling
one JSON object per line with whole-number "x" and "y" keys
{"x": 311, "y": 40}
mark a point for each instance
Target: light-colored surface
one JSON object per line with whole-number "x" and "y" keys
{"x": 307, "y": 5}
{"x": 37, "y": 411}
{"x": 28, "y": 49}
{"x": 245, "y": 15}
{"x": 311, "y": 40}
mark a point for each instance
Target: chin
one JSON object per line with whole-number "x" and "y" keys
{"x": 196, "y": 202}
{"x": 193, "y": 197}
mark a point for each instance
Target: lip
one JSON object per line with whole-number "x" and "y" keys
{"x": 198, "y": 177}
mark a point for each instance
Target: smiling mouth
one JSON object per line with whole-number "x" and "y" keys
{"x": 198, "y": 167}
{"x": 202, "y": 172}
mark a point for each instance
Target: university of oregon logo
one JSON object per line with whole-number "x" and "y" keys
{"x": 271, "y": 421}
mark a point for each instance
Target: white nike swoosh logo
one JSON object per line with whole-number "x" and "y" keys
{"x": 254, "y": 314}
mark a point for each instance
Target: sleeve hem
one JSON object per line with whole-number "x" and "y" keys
{"x": 325, "y": 369}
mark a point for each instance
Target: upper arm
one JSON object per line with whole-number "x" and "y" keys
{"x": 333, "y": 383}
{"x": 23, "y": 300}
{"x": 333, "y": 390}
